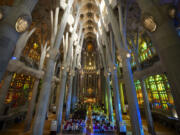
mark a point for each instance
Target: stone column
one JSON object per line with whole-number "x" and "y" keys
{"x": 99, "y": 89}
{"x": 8, "y": 33}
{"x": 85, "y": 85}
{"x": 60, "y": 100}
{"x": 94, "y": 82}
{"x": 52, "y": 101}
{"x": 46, "y": 86}
{"x": 116, "y": 98}
{"x": 147, "y": 109}
{"x": 106, "y": 100}
{"x": 68, "y": 61}
{"x": 102, "y": 88}
{"x": 110, "y": 105}
{"x": 96, "y": 87}
{"x": 68, "y": 103}
{"x": 35, "y": 89}
{"x": 133, "y": 106}
{"x": 75, "y": 90}
{"x": 127, "y": 74}
{"x": 79, "y": 82}
{"x": 31, "y": 107}
{"x": 43, "y": 101}
{"x": 122, "y": 97}
{"x": 166, "y": 41}
{"x": 87, "y": 81}
{"x": 21, "y": 43}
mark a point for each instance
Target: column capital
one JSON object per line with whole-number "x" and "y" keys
{"x": 112, "y": 67}
{"x": 54, "y": 54}
{"x": 72, "y": 72}
{"x": 106, "y": 74}
{"x": 65, "y": 67}
{"x": 55, "y": 80}
{"x": 63, "y": 4}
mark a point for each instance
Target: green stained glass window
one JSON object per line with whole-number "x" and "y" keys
{"x": 146, "y": 51}
{"x": 159, "y": 87}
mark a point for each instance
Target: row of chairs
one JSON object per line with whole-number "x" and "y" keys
{"x": 101, "y": 123}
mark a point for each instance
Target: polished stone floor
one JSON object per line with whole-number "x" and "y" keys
{"x": 18, "y": 128}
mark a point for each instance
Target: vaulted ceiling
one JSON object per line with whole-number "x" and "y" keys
{"x": 90, "y": 13}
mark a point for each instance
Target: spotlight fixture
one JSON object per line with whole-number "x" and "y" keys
{"x": 22, "y": 24}
{"x": 128, "y": 55}
{"x": 1, "y": 15}
{"x": 149, "y": 23}
{"x": 47, "y": 55}
{"x": 172, "y": 12}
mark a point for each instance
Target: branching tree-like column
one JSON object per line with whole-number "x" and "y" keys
{"x": 135, "y": 49}
{"x": 148, "y": 114}
{"x": 74, "y": 92}
{"x": 7, "y": 80}
{"x": 66, "y": 63}
{"x": 111, "y": 62}
{"x": 56, "y": 38}
{"x": 52, "y": 97}
{"x": 65, "y": 48}
{"x": 105, "y": 96}
{"x": 71, "y": 77}
{"x": 113, "y": 68}
{"x": 107, "y": 74}
{"x": 122, "y": 23}
{"x": 32, "y": 103}
{"x": 77, "y": 64}
{"x": 77, "y": 51}
{"x": 122, "y": 97}
{"x": 110, "y": 105}
{"x": 68, "y": 103}
{"x": 60, "y": 97}
{"x": 119, "y": 34}
{"x": 147, "y": 109}
{"x": 29, "y": 115}
{"x": 166, "y": 41}
{"x": 10, "y": 29}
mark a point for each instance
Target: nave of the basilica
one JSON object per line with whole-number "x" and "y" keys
{"x": 89, "y": 67}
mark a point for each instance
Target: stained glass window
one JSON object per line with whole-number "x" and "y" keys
{"x": 20, "y": 87}
{"x": 146, "y": 51}
{"x": 139, "y": 92}
{"x": 159, "y": 88}
{"x": 32, "y": 51}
